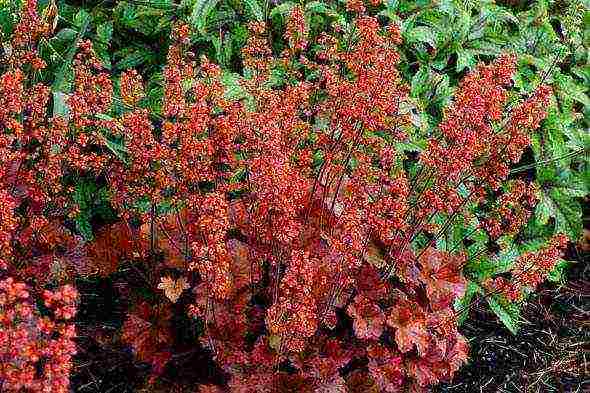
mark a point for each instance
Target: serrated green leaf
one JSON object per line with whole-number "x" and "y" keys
{"x": 579, "y": 140}
{"x": 417, "y": 146}
{"x": 59, "y": 83}
{"x": 567, "y": 87}
{"x": 6, "y": 20}
{"x": 486, "y": 47}
{"x": 461, "y": 27}
{"x": 103, "y": 54}
{"x": 84, "y": 197}
{"x": 233, "y": 90}
{"x": 65, "y": 35}
{"x": 117, "y": 149}
{"x": 419, "y": 83}
{"x": 103, "y": 116}
{"x": 318, "y": 7}
{"x": 583, "y": 72}
{"x": 567, "y": 213}
{"x": 483, "y": 266}
{"x": 544, "y": 210}
{"x": 496, "y": 14}
{"x": 127, "y": 15}
{"x": 533, "y": 245}
{"x": 558, "y": 274}
{"x": 575, "y": 187}
{"x": 507, "y": 313}
{"x": 81, "y": 18}
{"x": 83, "y": 226}
{"x": 505, "y": 259}
{"x": 133, "y": 57}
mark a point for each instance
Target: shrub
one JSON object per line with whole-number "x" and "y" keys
{"x": 279, "y": 208}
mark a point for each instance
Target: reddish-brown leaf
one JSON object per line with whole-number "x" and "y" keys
{"x": 110, "y": 245}
{"x": 408, "y": 319}
{"x": 441, "y": 273}
{"x": 368, "y": 319}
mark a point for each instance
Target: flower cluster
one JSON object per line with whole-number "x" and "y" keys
{"x": 512, "y": 210}
{"x": 530, "y": 270}
{"x": 36, "y": 350}
{"x": 296, "y": 30}
{"x": 358, "y": 6}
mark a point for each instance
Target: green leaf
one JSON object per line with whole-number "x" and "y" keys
{"x": 409, "y": 146}
{"x": 486, "y": 47}
{"x": 104, "y": 32}
{"x": 200, "y": 12}
{"x": 217, "y": 42}
{"x": 84, "y": 198}
{"x": 60, "y": 77}
{"x": 486, "y": 266}
{"x": 6, "y": 20}
{"x": 319, "y": 8}
{"x": 578, "y": 139}
{"x": 65, "y": 35}
{"x": 127, "y": 15}
{"x": 117, "y": 149}
{"x": 233, "y": 90}
{"x": 104, "y": 54}
{"x": 103, "y": 116}
{"x": 507, "y": 312}
{"x": 255, "y": 9}
{"x": 421, "y": 34}
{"x": 465, "y": 59}
{"x": 132, "y": 57}
{"x": 566, "y": 211}
{"x": 497, "y": 14}
{"x": 568, "y": 88}
{"x": 507, "y": 255}
{"x": 575, "y": 187}
{"x": 558, "y": 274}
{"x": 83, "y": 225}
{"x": 544, "y": 210}
{"x": 568, "y": 217}
{"x": 282, "y": 9}
{"x": 533, "y": 245}
{"x": 583, "y": 72}
{"x": 81, "y": 18}
{"x": 419, "y": 84}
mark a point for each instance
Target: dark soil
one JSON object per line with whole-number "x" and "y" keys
{"x": 103, "y": 365}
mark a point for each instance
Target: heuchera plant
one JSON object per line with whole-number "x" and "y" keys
{"x": 288, "y": 220}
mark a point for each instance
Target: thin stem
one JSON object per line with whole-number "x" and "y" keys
{"x": 536, "y": 164}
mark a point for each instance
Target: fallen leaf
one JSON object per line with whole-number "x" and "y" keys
{"x": 173, "y": 288}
